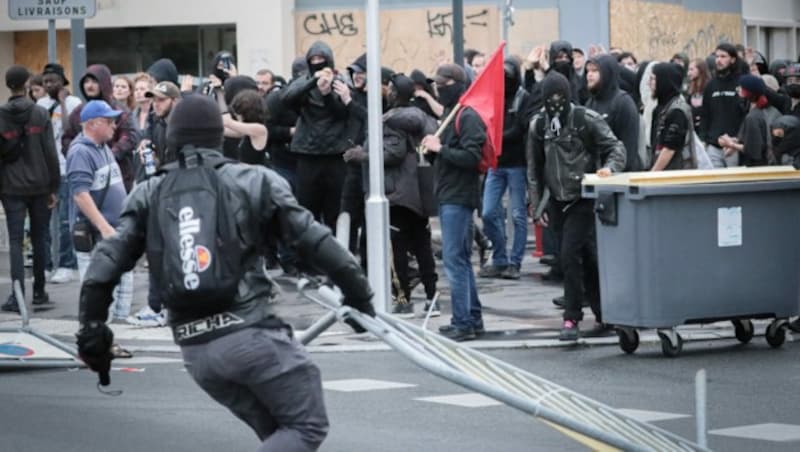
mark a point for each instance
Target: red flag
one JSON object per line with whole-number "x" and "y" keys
{"x": 486, "y": 97}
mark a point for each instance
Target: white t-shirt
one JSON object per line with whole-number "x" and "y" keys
{"x": 71, "y": 102}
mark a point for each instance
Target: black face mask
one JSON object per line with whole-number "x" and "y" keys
{"x": 793, "y": 90}
{"x": 563, "y": 67}
{"x": 511, "y": 86}
{"x": 449, "y": 94}
{"x": 314, "y": 68}
{"x": 776, "y": 142}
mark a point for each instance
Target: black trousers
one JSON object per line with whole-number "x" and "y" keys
{"x": 353, "y": 202}
{"x": 16, "y": 208}
{"x": 319, "y": 183}
{"x": 578, "y": 257}
{"x": 411, "y": 233}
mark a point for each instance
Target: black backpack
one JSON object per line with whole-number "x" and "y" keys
{"x": 193, "y": 244}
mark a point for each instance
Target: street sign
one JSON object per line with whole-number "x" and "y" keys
{"x": 51, "y": 9}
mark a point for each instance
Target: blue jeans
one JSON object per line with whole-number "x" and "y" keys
{"x": 494, "y": 221}
{"x": 456, "y": 223}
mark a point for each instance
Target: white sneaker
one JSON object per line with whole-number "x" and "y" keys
{"x": 146, "y": 317}
{"x": 62, "y": 276}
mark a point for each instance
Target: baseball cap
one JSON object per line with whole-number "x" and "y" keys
{"x": 164, "y": 89}
{"x": 55, "y": 68}
{"x": 450, "y": 71}
{"x": 98, "y": 109}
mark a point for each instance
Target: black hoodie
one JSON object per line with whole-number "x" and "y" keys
{"x": 517, "y": 116}
{"x": 723, "y": 110}
{"x": 617, "y": 108}
{"x": 670, "y": 131}
{"x": 125, "y": 137}
{"x": 579, "y": 91}
{"x": 789, "y": 145}
{"x": 164, "y": 70}
{"x": 36, "y": 171}
{"x": 322, "y": 127}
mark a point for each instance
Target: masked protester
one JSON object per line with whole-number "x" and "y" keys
{"x": 751, "y": 142}
{"x": 785, "y": 137}
{"x": 672, "y": 128}
{"x": 233, "y": 343}
{"x": 564, "y": 143}
{"x": 456, "y": 157}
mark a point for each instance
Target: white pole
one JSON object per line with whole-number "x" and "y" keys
{"x": 377, "y": 206}
{"x": 700, "y": 407}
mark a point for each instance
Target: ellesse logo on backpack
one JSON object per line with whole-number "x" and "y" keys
{"x": 194, "y": 258}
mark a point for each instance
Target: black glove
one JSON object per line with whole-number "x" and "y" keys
{"x": 94, "y": 347}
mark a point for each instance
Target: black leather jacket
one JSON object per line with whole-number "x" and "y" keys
{"x": 264, "y": 207}
{"x": 560, "y": 161}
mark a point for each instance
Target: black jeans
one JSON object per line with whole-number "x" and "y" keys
{"x": 578, "y": 257}
{"x": 320, "y": 179}
{"x": 267, "y": 380}
{"x": 16, "y": 208}
{"x": 411, "y": 233}
{"x": 353, "y": 202}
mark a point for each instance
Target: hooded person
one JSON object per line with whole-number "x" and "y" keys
{"x": 164, "y": 70}
{"x": 508, "y": 176}
{"x": 424, "y": 95}
{"x": 565, "y": 142}
{"x": 29, "y": 181}
{"x": 751, "y": 143}
{"x": 299, "y": 67}
{"x": 614, "y": 105}
{"x": 274, "y": 387}
{"x": 785, "y": 137}
{"x": 672, "y": 119}
{"x": 96, "y": 85}
{"x": 561, "y": 62}
{"x": 322, "y": 134}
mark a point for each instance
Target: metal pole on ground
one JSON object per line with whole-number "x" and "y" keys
{"x": 52, "y": 54}
{"x": 377, "y": 206}
{"x": 700, "y": 407}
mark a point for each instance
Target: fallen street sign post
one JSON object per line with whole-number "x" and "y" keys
{"x": 51, "y": 9}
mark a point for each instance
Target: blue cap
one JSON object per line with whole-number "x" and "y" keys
{"x": 98, "y": 109}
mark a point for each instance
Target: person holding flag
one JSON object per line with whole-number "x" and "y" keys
{"x": 467, "y": 144}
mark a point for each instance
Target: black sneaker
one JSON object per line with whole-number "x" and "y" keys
{"x": 511, "y": 272}
{"x": 491, "y": 271}
{"x": 569, "y": 331}
{"x": 403, "y": 310}
{"x": 41, "y": 298}
{"x": 457, "y": 334}
{"x": 559, "y": 302}
{"x": 10, "y": 305}
{"x": 548, "y": 260}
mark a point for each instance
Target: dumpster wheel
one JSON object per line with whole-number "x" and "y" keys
{"x": 628, "y": 339}
{"x": 776, "y": 333}
{"x": 743, "y": 330}
{"x": 671, "y": 343}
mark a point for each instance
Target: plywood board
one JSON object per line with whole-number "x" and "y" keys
{"x": 653, "y": 30}
{"x": 683, "y": 177}
{"x": 30, "y": 50}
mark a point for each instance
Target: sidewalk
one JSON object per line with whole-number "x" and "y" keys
{"x": 517, "y": 314}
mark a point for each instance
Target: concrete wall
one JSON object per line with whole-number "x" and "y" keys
{"x": 264, "y": 28}
{"x": 772, "y": 10}
{"x": 6, "y": 59}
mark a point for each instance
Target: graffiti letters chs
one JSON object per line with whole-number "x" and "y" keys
{"x": 329, "y": 24}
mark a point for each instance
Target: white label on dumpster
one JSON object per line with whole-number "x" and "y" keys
{"x": 729, "y": 226}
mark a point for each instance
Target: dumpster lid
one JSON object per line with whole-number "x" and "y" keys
{"x": 691, "y": 177}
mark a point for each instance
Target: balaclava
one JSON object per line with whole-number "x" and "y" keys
{"x": 196, "y": 121}
{"x": 556, "y": 93}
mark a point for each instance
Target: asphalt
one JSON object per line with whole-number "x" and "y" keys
{"x": 517, "y": 314}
